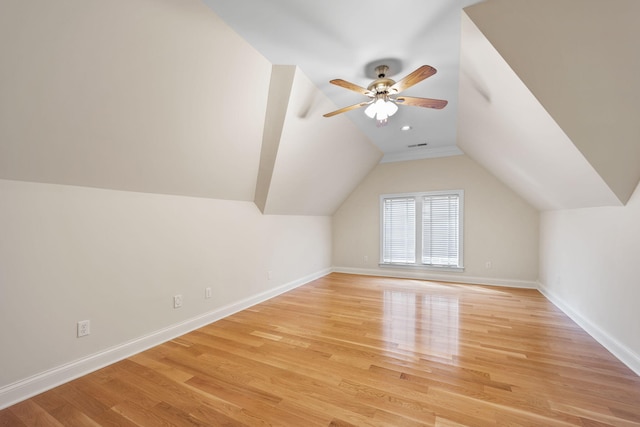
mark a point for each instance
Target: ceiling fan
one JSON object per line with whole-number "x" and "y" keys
{"x": 382, "y": 104}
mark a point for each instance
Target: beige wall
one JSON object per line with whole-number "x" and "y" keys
{"x": 499, "y": 226}
{"x": 589, "y": 267}
{"x": 117, "y": 258}
{"x": 125, "y": 114}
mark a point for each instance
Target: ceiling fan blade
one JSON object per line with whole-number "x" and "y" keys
{"x": 351, "y": 86}
{"x": 345, "y": 109}
{"x": 438, "y": 104}
{"x": 416, "y": 77}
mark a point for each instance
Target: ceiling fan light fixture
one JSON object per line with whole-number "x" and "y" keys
{"x": 381, "y": 110}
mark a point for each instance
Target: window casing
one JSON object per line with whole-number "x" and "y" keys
{"x": 422, "y": 229}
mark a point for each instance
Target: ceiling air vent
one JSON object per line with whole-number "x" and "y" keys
{"x": 422, "y": 144}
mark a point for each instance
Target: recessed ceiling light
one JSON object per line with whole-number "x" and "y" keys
{"x": 405, "y": 128}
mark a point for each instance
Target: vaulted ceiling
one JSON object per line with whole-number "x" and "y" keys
{"x": 221, "y": 100}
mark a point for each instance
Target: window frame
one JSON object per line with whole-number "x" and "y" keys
{"x": 418, "y": 198}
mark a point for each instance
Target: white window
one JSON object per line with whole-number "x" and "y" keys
{"x": 422, "y": 229}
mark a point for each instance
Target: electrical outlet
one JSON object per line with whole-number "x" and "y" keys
{"x": 177, "y": 301}
{"x": 83, "y": 328}
{"x": 366, "y": 259}
{"x": 269, "y": 275}
{"x": 488, "y": 264}
{"x": 207, "y": 292}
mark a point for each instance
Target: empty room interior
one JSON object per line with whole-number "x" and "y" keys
{"x": 239, "y": 206}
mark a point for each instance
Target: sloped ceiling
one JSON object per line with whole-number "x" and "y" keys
{"x": 129, "y": 96}
{"x": 580, "y": 58}
{"x": 504, "y": 128}
{"x": 511, "y": 134}
{"x": 315, "y": 173}
{"x": 161, "y": 96}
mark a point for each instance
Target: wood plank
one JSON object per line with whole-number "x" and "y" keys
{"x": 8, "y": 419}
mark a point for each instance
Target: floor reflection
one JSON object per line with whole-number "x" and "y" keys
{"x": 426, "y": 323}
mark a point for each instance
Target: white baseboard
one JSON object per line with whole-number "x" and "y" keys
{"x": 438, "y": 277}
{"x": 619, "y": 350}
{"x": 36, "y": 384}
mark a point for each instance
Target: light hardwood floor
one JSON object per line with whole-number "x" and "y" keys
{"x": 352, "y": 350}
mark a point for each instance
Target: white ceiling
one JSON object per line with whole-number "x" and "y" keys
{"x": 337, "y": 39}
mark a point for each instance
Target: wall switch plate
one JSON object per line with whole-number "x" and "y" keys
{"x": 84, "y": 328}
{"x": 177, "y": 301}
{"x": 207, "y": 292}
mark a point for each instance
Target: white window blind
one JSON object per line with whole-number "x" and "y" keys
{"x": 440, "y": 233}
{"x": 399, "y": 236}
{"x": 422, "y": 229}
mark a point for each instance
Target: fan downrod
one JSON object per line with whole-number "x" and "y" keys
{"x": 381, "y": 71}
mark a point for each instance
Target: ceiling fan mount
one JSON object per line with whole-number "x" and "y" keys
{"x": 381, "y": 91}
{"x": 394, "y": 67}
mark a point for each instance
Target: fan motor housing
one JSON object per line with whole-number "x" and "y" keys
{"x": 381, "y": 85}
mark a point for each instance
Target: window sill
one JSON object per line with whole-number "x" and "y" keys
{"x": 423, "y": 267}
